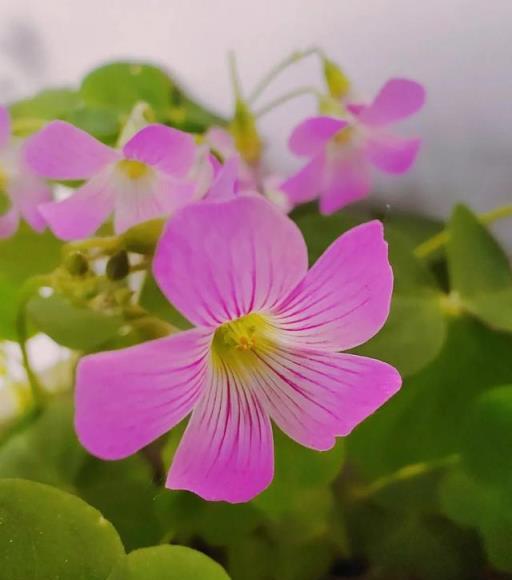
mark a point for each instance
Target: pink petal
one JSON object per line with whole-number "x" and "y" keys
{"x": 221, "y": 141}
{"x": 5, "y": 126}
{"x": 316, "y": 396}
{"x": 61, "y": 151}
{"x": 217, "y": 261}
{"x": 138, "y": 201}
{"x": 344, "y": 299}
{"x": 306, "y": 185}
{"x": 227, "y": 451}
{"x": 226, "y": 181}
{"x": 127, "y": 398}
{"x": 312, "y": 135}
{"x": 398, "y": 99}
{"x": 29, "y": 193}
{"x": 346, "y": 179}
{"x": 9, "y": 222}
{"x": 391, "y": 153}
{"x": 167, "y": 149}
{"x": 80, "y": 215}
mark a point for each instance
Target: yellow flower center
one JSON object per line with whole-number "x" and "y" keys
{"x": 133, "y": 169}
{"x": 236, "y": 341}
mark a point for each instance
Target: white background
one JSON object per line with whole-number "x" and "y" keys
{"x": 461, "y": 50}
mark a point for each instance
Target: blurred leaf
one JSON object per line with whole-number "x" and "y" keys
{"x": 152, "y": 300}
{"x": 486, "y": 507}
{"x": 46, "y": 533}
{"x": 252, "y": 558}
{"x": 426, "y": 420}
{"x": 480, "y": 271}
{"x": 24, "y": 255}
{"x": 121, "y": 85}
{"x": 47, "y": 450}
{"x": 102, "y": 123}
{"x": 72, "y": 326}
{"x": 487, "y": 445}
{"x": 49, "y": 104}
{"x": 168, "y": 563}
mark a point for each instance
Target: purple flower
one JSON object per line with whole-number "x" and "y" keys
{"x": 24, "y": 190}
{"x": 147, "y": 179}
{"x": 265, "y": 346}
{"x": 341, "y": 152}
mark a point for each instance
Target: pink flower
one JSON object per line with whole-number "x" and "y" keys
{"x": 265, "y": 347}
{"x": 143, "y": 181}
{"x": 342, "y": 151}
{"x": 24, "y": 190}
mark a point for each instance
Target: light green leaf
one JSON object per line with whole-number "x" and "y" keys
{"x": 48, "y": 105}
{"x": 168, "y": 563}
{"x": 46, "y": 533}
{"x": 72, "y": 326}
{"x": 24, "y": 255}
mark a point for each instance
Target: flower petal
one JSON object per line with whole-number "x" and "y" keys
{"x": 391, "y": 153}
{"x": 226, "y": 181}
{"x": 344, "y": 299}
{"x": 81, "y": 214}
{"x": 316, "y": 396}
{"x": 227, "y": 450}
{"x": 138, "y": 201}
{"x": 5, "y": 126}
{"x": 306, "y": 185}
{"x": 9, "y": 222}
{"x": 398, "y": 99}
{"x": 217, "y": 261}
{"x": 29, "y": 193}
{"x": 127, "y": 398}
{"x": 347, "y": 179}
{"x": 311, "y": 136}
{"x": 61, "y": 151}
{"x": 165, "y": 148}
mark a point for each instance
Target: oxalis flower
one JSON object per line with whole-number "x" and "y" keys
{"x": 23, "y": 190}
{"x": 342, "y": 151}
{"x": 143, "y": 181}
{"x": 265, "y": 347}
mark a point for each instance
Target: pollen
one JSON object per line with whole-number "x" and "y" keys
{"x": 133, "y": 169}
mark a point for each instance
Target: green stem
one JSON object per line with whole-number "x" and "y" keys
{"x": 439, "y": 240}
{"x": 28, "y": 290}
{"x": 235, "y": 78}
{"x": 285, "y": 98}
{"x": 403, "y": 474}
{"x": 275, "y": 71}
{"x": 108, "y": 245}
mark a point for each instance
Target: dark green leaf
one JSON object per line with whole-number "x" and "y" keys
{"x": 46, "y": 533}
{"x": 168, "y": 563}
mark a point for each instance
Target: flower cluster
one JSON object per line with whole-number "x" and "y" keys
{"x": 268, "y": 333}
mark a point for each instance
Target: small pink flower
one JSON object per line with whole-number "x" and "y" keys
{"x": 147, "y": 179}
{"x": 24, "y": 190}
{"x": 266, "y": 346}
{"x": 342, "y": 151}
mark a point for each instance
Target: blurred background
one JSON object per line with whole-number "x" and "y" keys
{"x": 460, "y": 49}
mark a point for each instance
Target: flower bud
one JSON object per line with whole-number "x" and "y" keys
{"x": 118, "y": 266}
{"x": 245, "y": 134}
{"x": 142, "y": 238}
{"x": 76, "y": 264}
{"x": 337, "y": 83}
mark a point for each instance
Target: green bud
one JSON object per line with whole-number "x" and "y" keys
{"x": 143, "y": 238}
{"x": 246, "y": 136}
{"x": 118, "y": 266}
{"x": 337, "y": 83}
{"x": 76, "y": 264}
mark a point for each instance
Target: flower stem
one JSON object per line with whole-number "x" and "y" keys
{"x": 403, "y": 474}
{"x": 28, "y": 290}
{"x": 275, "y": 71}
{"x": 235, "y": 77}
{"x": 439, "y": 240}
{"x": 285, "y": 98}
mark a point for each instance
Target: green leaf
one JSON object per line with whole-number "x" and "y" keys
{"x": 24, "y": 255}
{"x": 102, "y": 123}
{"x": 427, "y": 419}
{"x": 48, "y": 105}
{"x": 46, "y": 533}
{"x": 487, "y": 444}
{"x": 168, "y": 563}
{"x": 121, "y": 85}
{"x": 72, "y": 326}
{"x": 153, "y": 300}
{"x": 480, "y": 271}
{"x": 47, "y": 450}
